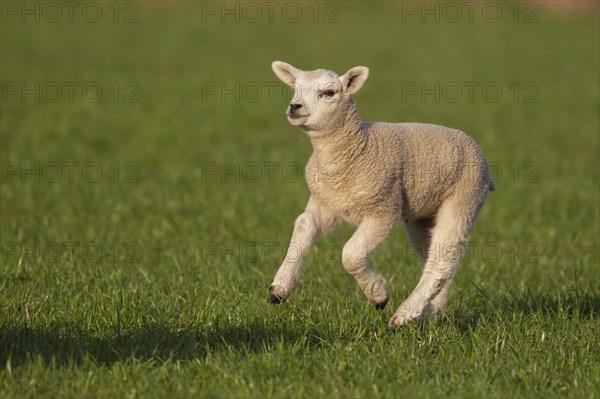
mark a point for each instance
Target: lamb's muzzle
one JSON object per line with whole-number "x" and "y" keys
{"x": 373, "y": 174}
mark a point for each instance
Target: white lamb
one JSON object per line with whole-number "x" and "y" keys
{"x": 372, "y": 174}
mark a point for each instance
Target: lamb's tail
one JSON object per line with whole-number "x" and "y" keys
{"x": 492, "y": 184}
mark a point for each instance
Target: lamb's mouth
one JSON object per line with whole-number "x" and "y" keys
{"x": 296, "y": 116}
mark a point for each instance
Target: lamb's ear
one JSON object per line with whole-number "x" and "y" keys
{"x": 353, "y": 80}
{"x": 287, "y": 73}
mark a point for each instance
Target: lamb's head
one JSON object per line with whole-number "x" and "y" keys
{"x": 322, "y": 98}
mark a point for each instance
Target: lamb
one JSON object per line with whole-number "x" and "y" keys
{"x": 373, "y": 174}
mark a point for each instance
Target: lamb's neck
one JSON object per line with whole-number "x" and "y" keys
{"x": 343, "y": 143}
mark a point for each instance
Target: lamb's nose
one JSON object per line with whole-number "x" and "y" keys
{"x": 294, "y": 107}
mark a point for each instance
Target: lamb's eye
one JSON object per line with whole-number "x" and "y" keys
{"x": 328, "y": 93}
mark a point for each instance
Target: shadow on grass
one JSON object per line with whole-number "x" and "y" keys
{"x": 67, "y": 345}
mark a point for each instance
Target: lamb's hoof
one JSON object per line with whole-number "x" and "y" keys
{"x": 381, "y": 305}
{"x": 376, "y": 291}
{"x": 403, "y": 316}
{"x": 275, "y": 297}
{"x": 432, "y": 312}
{"x": 399, "y": 319}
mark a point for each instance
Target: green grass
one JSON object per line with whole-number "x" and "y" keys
{"x": 174, "y": 302}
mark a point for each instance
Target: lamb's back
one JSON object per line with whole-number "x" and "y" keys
{"x": 428, "y": 160}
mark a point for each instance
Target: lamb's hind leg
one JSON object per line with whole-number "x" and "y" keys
{"x": 369, "y": 234}
{"x": 450, "y": 233}
{"x": 419, "y": 233}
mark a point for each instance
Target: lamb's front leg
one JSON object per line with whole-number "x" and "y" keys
{"x": 366, "y": 238}
{"x": 315, "y": 221}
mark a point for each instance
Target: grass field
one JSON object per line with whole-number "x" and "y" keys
{"x": 140, "y": 229}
